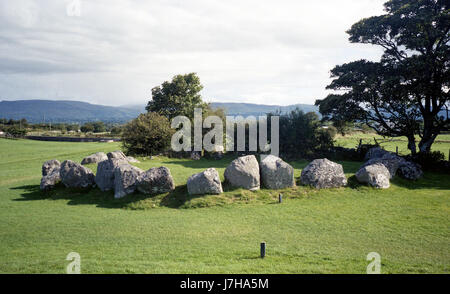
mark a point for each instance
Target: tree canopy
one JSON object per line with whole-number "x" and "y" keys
{"x": 407, "y": 91}
{"x": 178, "y": 97}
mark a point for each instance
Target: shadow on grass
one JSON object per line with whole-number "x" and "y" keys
{"x": 175, "y": 199}
{"x": 203, "y": 163}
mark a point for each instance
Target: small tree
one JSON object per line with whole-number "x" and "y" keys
{"x": 148, "y": 134}
{"x": 178, "y": 97}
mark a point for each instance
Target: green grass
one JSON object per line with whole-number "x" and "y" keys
{"x": 325, "y": 231}
{"x": 442, "y": 142}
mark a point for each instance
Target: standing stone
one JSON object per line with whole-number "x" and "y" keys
{"x": 105, "y": 173}
{"x": 375, "y": 152}
{"x": 49, "y": 181}
{"x": 49, "y": 166}
{"x": 74, "y": 175}
{"x": 243, "y": 172}
{"x": 125, "y": 179}
{"x": 410, "y": 170}
{"x": 207, "y": 182}
{"x": 156, "y": 180}
{"x": 377, "y": 175}
{"x": 94, "y": 158}
{"x": 276, "y": 174}
{"x": 323, "y": 173}
{"x": 389, "y": 160}
{"x": 117, "y": 154}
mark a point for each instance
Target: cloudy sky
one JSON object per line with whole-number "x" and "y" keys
{"x": 113, "y": 52}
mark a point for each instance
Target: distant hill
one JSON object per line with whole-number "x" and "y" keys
{"x": 246, "y": 109}
{"x": 36, "y": 111}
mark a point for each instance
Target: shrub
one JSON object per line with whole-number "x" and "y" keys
{"x": 148, "y": 134}
{"x": 15, "y": 132}
{"x": 430, "y": 160}
{"x": 301, "y": 135}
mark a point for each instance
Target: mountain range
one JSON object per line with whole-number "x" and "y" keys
{"x": 38, "y": 111}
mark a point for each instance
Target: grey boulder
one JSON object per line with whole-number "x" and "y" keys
{"x": 323, "y": 173}
{"x": 117, "y": 155}
{"x": 74, "y": 175}
{"x": 156, "y": 180}
{"x": 94, "y": 158}
{"x": 49, "y": 166}
{"x": 132, "y": 159}
{"x": 243, "y": 172}
{"x": 49, "y": 181}
{"x": 125, "y": 180}
{"x": 410, "y": 170}
{"x": 207, "y": 182}
{"x": 275, "y": 173}
{"x": 389, "y": 160}
{"x": 105, "y": 173}
{"x": 377, "y": 175}
{"x": 375, "y": 152}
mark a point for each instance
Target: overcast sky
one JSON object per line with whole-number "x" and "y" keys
{"x": 113, "y": 52}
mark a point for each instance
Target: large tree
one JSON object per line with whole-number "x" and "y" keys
{"x": 178, "y": 97}
{"x": 407, "y": 91}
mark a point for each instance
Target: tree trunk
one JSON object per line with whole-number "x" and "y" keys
{"x": 412, "y": 144}
{"x": 425, "y": 144}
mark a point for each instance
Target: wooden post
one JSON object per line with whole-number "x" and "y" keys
{"x": 396, "y": 150}
{"x": 280, "y": 198}
{"x": 263, "y": 249}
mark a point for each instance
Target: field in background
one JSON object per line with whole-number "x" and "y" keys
{"x": 326, "y": 231}
{"x": 441, "y": 144}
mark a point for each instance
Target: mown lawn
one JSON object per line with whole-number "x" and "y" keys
{"x": 326, "y": 231}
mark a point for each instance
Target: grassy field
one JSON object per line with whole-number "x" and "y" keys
{"x": 326, "y": 231}
{"x": 442, "y": 142}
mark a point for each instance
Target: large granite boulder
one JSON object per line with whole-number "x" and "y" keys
{"x": 117, "y": 155}
{"x": 389, "y": 160}
{"x": 49, "y": 166}
{"x": 375, "y": 152}
{"x": 94, "y": 158}
{"x": 156, "y": 180}
{"x": 275, "y": 173}
{"x": 105, "y": 173}
{"x": 323, "y": 173}
{"x": 410, "y": 170}
{"x": 377, "y": 175}
{"x": 207, "y": 182}
{"x": 74, "y": 175}
{"x": 49, "y": 181}
{"x": 125, "y": 179}
{"x": 243, "y": 172}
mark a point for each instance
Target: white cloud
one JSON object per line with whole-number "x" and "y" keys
{"x": 273, "y": 52}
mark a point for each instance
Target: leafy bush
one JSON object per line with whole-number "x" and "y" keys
{"x": 301, "y": 135}
{"x": 15, "y": 132}
{"x": 148, "y": 134}
{"x": 430, "y": 160}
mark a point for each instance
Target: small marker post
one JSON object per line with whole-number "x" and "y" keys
{"x": 280, "y": 198}
{"x": 263, "y": 249}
